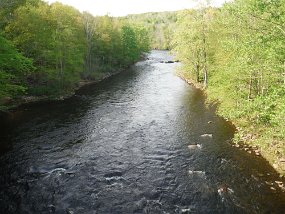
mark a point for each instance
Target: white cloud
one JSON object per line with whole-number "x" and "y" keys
{"x": 124, "y": 7}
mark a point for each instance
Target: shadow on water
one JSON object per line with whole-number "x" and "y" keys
{"x": 240, "y": 178}
{"x": 142, "y": 141}
{"x": 59, "y": 112}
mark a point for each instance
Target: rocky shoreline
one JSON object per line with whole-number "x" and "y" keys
{"x": 245, "y": 141}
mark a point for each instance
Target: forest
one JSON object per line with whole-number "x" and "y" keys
{"x": 47, "y": 50}
{"x": 235, "y": 53}
{"x": 160, "y": 27}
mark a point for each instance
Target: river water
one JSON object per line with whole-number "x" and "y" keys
{"x": 122, "y": 146}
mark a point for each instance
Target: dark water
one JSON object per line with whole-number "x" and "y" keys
{"x": 121, "y": 146}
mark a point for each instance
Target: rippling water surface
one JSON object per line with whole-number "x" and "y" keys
{"x": 122, "y": 146}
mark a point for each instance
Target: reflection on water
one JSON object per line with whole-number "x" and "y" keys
{"x": 139, "y": 142}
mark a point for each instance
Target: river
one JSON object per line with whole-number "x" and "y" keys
{"x": 122, "y": 146}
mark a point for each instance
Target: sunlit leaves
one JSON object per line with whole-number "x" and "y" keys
{"x": 67, "y": 45}
{"x": 13, "y": 69}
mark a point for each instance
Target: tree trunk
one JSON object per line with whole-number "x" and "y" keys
{"x": 197, "y": 68}
{"x": 284, "y": 75}
{"x": 61, "y": 73}
{"x": 205, "y": 69}
{"x": 205, "y": 62}
{"x": 89, "y": 33}
{"x": 205, "y": 77}
{"x": 250, "y": 88}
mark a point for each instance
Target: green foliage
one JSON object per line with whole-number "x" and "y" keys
{"x": 114, "y": 44}
{"x": 160, "y": 26}
{"x": 245, "y": 49}
{"x": 53, "y": 37}
{"x": 192, "y": 41}
{"x": 66, "y": 45}
{"x": 13, "y": 69}
{"x": 130, "y": 46}
{"x": 7, "y": 8}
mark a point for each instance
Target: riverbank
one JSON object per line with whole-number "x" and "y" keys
{"x": 261, "y": 139}
{"x": 257, "y": 140}
{"x": 141, "y": 141}
{"x": 7, "y": 104}
{"x": 11, "y": 104}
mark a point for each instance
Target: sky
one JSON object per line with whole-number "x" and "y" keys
{"x": 124, "y": 7}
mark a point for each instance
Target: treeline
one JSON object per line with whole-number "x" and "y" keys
{"x": 47, "y": 49}
{"x": 237, "y": 52}
{"x": 160, "y": 26}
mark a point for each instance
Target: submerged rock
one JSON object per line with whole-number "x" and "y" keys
{"x": 199, "y": 173}
{"x": 195, "y": 146}
{"x": 207, "y": 136}
{"x": 224, "y": 189}
{"x": 51, "y": 208}
{"x": 69, "y": 211}
{"x": 57, "y": 170}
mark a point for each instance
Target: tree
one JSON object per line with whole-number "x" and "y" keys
{"x": 191, "y": 42}
{"x": 89, "y": 23}
{"x": 14, "y": 68}
{"x": 66, "y": 45}
{"x": 130, "y": 45}
{"x": 70, "y": 44}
